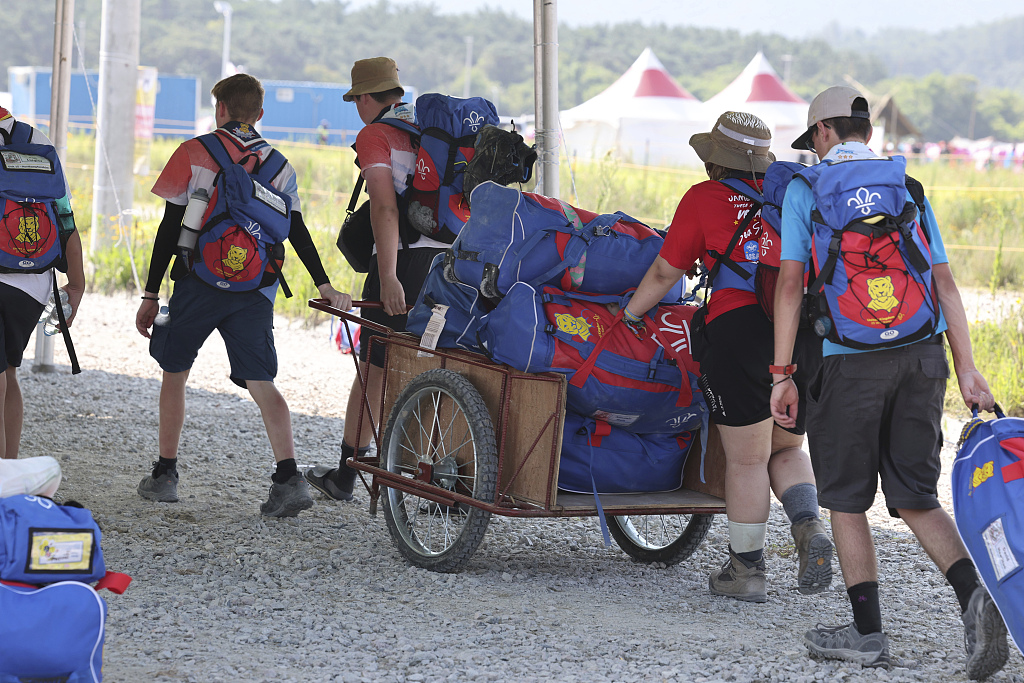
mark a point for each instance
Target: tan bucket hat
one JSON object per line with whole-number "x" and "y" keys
{"x": 837, "y": 101}
{"x": 739, "y": 141}
{"x": 377, "y": 74}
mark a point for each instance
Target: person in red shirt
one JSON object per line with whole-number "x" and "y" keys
{"x": 401, "y": 257}
{"x": 718, "y": 222}
{"x": 245, "y": 319}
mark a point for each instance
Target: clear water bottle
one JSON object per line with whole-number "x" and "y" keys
{"x": 50, "y": 317}
{"x": 163, "y": 316}
{"x": 192, "y": 220}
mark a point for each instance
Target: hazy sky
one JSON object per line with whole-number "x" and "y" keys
{"x": 795, "y": 18}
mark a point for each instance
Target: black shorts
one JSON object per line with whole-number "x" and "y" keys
{"x": 878, "y": 414}
{"x": 19, "y": 314}
{"x": 412, "y": 268}
{"x": 735, "y": 355}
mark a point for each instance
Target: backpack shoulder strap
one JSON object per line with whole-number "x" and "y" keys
{"x": 269, "y": 168}
{"x": 747, "y": 191}
{"x": 215, "y": 146}
{"x": 916, "y": 190}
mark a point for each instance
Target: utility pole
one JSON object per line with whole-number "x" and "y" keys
{"x": 60, "y": 94}
{"x": 545, "y": 80}
{"x": 469, "y": 66}
{"x": 225, "y": 52}
{"x": 112, "y": 184}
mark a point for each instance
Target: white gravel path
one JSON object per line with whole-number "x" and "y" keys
{"x": 221, "y": 594}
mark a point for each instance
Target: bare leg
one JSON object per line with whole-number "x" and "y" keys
{"x": 172, "y": 412}
{"x": 855, "y": 546}
{"x": 789, "y": 464}
{"x": 276, "y": 418}
{"x": 13, "y": 413}
{"x": 938, "y": 535}
{"x": 747, "y": 486}
{"x": 375, "y": 387}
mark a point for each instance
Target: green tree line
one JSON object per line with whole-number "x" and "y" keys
{"x": 967, "y": 82}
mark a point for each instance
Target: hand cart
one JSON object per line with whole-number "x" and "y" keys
{"x": 466, "y": 438}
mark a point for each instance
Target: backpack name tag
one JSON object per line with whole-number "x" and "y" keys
{"x": 271, "y": 199}
{"x": 60, "y": 550}
{"x": 16, "y": 161}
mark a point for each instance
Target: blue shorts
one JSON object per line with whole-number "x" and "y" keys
{"x": 19, "y": 314}
{"x": 245, "y": 321}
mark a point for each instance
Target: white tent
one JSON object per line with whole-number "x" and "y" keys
{"x": 644, "y": 117}
{"x": 758, "y": 90}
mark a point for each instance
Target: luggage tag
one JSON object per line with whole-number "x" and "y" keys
{"x": 433, "y": 330}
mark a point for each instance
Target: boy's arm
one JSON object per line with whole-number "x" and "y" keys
{"x": 302, "y": 242}
{"x": 384, "y": 221}
{"x": 973, "y": 387}
{"x": 163, "y": 250}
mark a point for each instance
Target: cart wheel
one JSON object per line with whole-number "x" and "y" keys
{"x": 439, "y": 431}
{"x": 660, "y": 538}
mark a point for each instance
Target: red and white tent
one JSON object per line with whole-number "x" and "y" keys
{"x": 758, "y": 90}
{"x": 645, "y": 117}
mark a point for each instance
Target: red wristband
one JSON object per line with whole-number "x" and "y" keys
{"x": 782, "y": 369}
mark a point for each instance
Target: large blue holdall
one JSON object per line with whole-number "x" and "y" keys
{"x": 988, "y": 505}
{"x": 461, "y": 319}
{"x": 515, "y": 236}
{"x": 599, "y": 458}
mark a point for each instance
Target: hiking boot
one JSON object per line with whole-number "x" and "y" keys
{"x": 161, "y": 487}
{"x": 737, "y": 580}
{"x": 332, "y": 483}
{"x": 984, "y": 636}
{"x": 815, "y": 551}
{"x": 846, "y": 642}
{"x": 287, "y": 499}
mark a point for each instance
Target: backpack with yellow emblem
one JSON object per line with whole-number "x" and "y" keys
{"x": 988, "y": 504}
{"x": 871, "y": 254}
{"x": 32, "y": 238}
{"x": 245, "y": 225}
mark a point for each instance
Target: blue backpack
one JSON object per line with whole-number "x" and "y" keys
{"x": 32, "y": 238}
{"x": 446, "y": 131}
{"x": 42, "y": 542}
{"x": 460, "y": 322}
{"x": 988, "y": 505}
{"x": 244, "y": 230}
{"x": 776, "y": 181}
{"x": 599, "y": 458}
{"x": 871, "y": 254}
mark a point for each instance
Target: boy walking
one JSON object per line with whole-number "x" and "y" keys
{"x": 874, "y": 409}
{"x": 243, "y": 318}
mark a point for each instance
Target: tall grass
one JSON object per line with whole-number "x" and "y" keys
{"x": 979, "y": 213}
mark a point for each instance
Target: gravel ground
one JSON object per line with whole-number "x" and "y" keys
{"x": 221, "y": 594}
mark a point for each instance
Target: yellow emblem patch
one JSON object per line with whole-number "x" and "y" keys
{"x": 981, "y": 474}
{"x": 28, "y": 229}
{"x": 235, "y": 259}
{"x": 572, "y": 325}
{"x": 880, "y": 290}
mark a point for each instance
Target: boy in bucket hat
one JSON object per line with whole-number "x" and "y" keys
{"x": 718, "y": 221}
{"x": 399, "y": 265}
{"x": 894, "y": 431}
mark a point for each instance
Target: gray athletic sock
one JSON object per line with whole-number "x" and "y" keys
{"x": 800, "y": 502}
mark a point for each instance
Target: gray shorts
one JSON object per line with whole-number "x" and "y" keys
{"x": 878, "y": 414}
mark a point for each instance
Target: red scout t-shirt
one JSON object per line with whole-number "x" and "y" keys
{"x": 706, "y": 219}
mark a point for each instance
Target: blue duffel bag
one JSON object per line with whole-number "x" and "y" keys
{"x": 462, "y": 318}
{"x": 599, "y": 458}
{"x": 515, "y": 236}
{"x": 42, "y": 542}
{"x": 988, "y": 504}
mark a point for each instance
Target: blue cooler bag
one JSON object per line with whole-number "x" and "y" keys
{"x": 599, "y": 458}
{"x": 53, "y": 634}
{"x": 42, "y": 542}
{"x": 988, "y": 504}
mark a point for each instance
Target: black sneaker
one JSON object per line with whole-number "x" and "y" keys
{"x": 332, "y": 483}
{"x": 984, "y": 636}
{"x": 162, "y": 488}
{"x": 287, "y": 499}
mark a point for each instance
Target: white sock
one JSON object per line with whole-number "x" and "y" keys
{"x": 745, "y": 538}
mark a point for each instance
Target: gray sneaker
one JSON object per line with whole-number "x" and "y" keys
{"x": 736, "y": 580}
{"x": 162, "y": 489}
{"x": 327, "y": 481}
{"x": 287, "y": 499}
{"x": 984, "y": 636}
{"x": 815, "y": 551}
{"x": 846, "y": 642}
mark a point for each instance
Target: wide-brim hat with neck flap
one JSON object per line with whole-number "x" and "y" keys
{"x": 739, "y": 141}
{"x": 377, "y": 74}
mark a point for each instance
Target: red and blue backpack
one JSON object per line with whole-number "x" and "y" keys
{"x": 245, "y": 225}
{"x": 871, "y": 254}
{"x": 32, "y": 239}
{"x": 446, "y": 131}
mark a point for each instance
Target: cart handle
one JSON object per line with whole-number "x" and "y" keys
{"x": 323, "y": 305}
